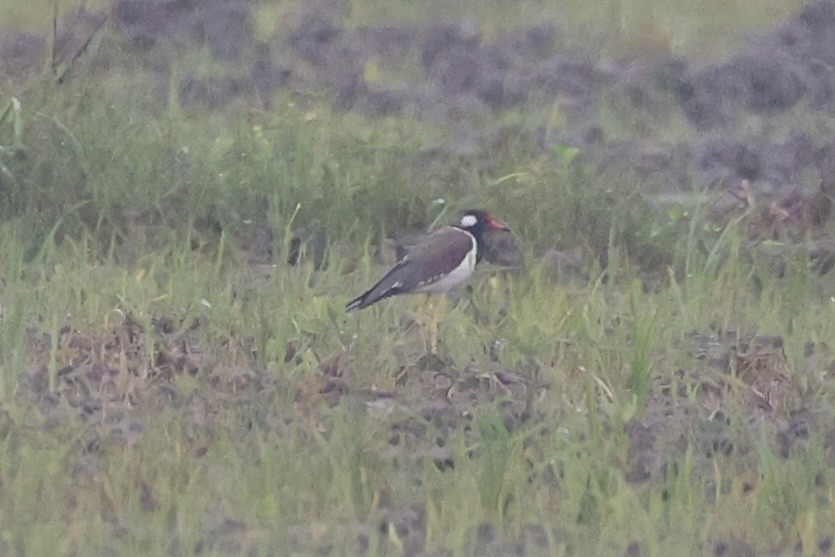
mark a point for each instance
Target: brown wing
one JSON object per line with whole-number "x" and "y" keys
{"x": 437, "y": 255}
{"x": 434, "y": 256}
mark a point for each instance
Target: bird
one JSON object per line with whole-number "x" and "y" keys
{"x": 436, "y": 264}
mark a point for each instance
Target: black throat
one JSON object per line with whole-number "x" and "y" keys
{"x": 478, "y": 233}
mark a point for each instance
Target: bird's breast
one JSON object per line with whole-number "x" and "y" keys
{"x": 441, "y": 284}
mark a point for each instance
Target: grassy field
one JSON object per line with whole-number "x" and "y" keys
{"x": 169, "y": 384}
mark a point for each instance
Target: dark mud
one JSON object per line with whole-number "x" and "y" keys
{"x": 780, "y": 88}
{"x": 109, "y": 384}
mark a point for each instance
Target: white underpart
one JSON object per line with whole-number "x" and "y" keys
{"x": 458, "y": 275}
{"x": 468, "y": 221}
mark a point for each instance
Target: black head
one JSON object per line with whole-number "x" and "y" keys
{"x": 477, "y": 222}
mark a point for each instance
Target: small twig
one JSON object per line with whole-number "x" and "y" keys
{"x": 53, "y": 63}
{"x": 81, "y": 50}
{"x": 604, "y": 387}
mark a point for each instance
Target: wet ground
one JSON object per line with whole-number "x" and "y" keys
{"x": 760, "y": 119}
{"x": 779, "y": 173}
{"x": 729, "y": 385}
{"x": 449, "y": 73}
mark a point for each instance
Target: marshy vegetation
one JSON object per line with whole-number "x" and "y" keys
{"x": 190, "y": 194}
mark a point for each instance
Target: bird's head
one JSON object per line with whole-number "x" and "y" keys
{"x": 477, "y": 221}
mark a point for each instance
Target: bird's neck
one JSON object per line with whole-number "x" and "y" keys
{"x": 480, "y": 248}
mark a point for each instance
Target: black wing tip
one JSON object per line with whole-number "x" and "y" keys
{"x": 356, "y": 304}
{"x": 361, "y": 302}
{"x": 368, "y": 298}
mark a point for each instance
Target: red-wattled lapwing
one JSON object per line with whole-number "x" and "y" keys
{"x": 440, "y": 261}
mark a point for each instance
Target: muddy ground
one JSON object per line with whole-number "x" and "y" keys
{"x": 448, "y": 73}
{"x": 786, "y": 173}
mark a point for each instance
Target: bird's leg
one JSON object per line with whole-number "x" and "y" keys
{"x": 433, "y": 327}
{"x": 430, "y": 324}
{"x": 422, "y": 318}
{"x": 437, "y": 310}
{"x": 428, "y": 318}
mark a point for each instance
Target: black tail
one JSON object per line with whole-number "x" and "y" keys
{"x": 357, "y": 303}
{"x": 390, "y": 285}
{"x": 379, "y": 291}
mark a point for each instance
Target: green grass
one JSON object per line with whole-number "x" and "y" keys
{"x": 222, "y": 470}
{"x": 247, "y": 413}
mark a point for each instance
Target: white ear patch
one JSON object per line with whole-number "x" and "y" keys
{"x": 468, "y": 221}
